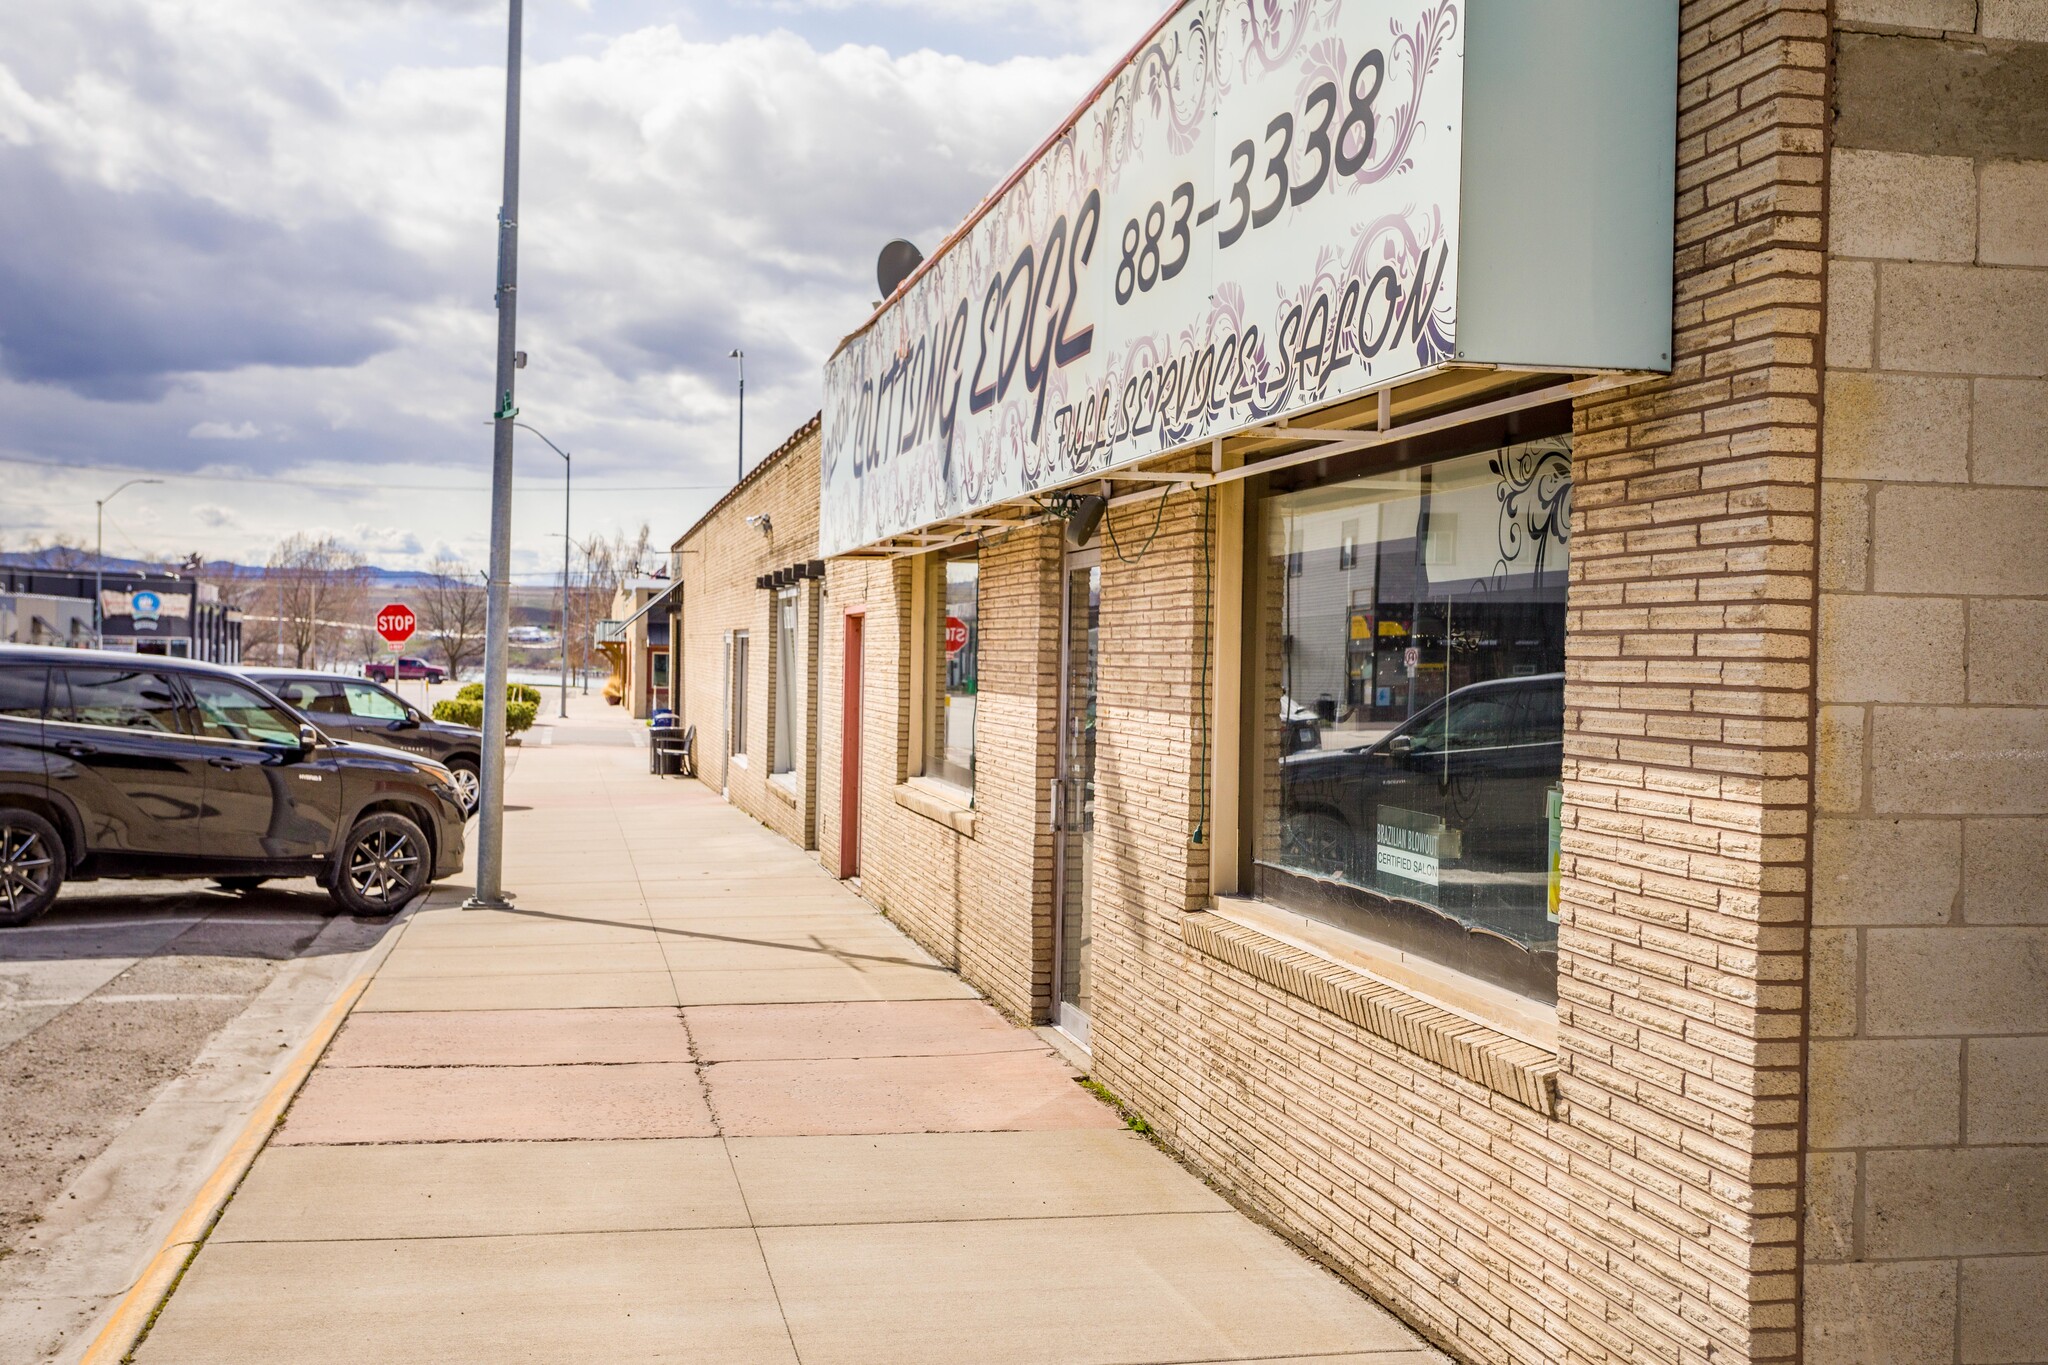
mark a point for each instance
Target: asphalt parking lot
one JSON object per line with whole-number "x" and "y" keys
{"x": 122, "y": 992}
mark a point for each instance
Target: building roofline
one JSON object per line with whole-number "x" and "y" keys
{"x": 774, "y": 457}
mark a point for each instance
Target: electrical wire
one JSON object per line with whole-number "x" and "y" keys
{"x": 538, "y": 483}
{"x": 1109, "y": 528}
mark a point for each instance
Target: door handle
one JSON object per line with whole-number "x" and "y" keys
{"x": 1055, "y": 803}
{"x": 76, "y": 749}
{"x": 225, "y": 763}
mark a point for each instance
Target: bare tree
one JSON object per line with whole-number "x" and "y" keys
{"x": 605, "y": 563}
{"x": 317, "y": 590}
{"x": 452, "y": 610}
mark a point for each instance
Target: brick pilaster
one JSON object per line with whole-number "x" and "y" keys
{"x": 1689, "y": 732}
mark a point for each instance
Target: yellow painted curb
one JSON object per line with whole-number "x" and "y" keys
{"x": 124, "y": 1328}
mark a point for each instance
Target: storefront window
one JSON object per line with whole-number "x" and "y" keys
{"x": 785, "y": 682}
{"x": 737, "y": 704}
{"x": 1412, "y": 628}
{"x": 956, "y": 645}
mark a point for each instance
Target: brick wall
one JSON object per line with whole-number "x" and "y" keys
{"x": 980, "y": 902}
{"x": 1927, "y": 1222}
{"x": 719, "y": 561}
{"x": 1654, "y": 1218}
{"x": 1657, "y": 1216}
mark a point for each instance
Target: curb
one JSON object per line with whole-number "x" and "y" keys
{"x": 123, "y": 1329}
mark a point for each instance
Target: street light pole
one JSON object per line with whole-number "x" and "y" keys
{"x": 565, "y": 562}
{"x": 490, "y": 842}
{"x": 741, "y": 449}
{"x": 99, "y": 561}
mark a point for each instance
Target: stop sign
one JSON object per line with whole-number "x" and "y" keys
{"x": 395, "y": 622}
{"x": 956, "y": 635}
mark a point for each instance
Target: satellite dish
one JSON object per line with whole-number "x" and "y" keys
{"x": 895, "y": 263}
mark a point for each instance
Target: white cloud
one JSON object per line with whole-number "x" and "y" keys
{"x": 683, "y": 192}
{"x": 223, "y": 431}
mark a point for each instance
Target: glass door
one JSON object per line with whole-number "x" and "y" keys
{"x": 1073, "y": 794}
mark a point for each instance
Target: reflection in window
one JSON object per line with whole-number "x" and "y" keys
{"x": 785, "y": 682}
{"x": 956, "y": 645}
{"x": 1412, "y": 654}
{"x": 21, "y": 692}
{"x": 124, "y": 698}
{"x": 229, "y": 711}
{"x": 737, "y": 702}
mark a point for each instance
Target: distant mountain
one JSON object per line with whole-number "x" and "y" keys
{"x": 65, "y": 559}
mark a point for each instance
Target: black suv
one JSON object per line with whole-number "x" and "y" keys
{"x": 361, "y": 710}
{"x": 116, "y": 765}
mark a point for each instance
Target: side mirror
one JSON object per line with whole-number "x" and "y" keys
{"x": 309, "y": 738}
{"x": 1400, "y": 746}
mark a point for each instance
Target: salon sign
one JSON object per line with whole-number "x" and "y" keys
{"x": 1257, "y": 214}
{"x": 1264, "y": 211}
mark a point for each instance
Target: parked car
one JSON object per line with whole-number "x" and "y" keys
{"x": 406, "y": 667}
{"x": 1476, "y": 764}
{"x": 369, "y": 713}
{"x": 120, "y": 765}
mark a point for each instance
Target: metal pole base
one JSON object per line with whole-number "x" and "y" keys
{"x": 503, "y": 901}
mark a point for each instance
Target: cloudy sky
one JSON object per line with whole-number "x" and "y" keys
{"x": 248, "y": 248}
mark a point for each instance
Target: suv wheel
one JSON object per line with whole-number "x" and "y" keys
{"x": 31, "y": 865}
{"x": 384, "y": 863}
{"x": 469, "y": 787}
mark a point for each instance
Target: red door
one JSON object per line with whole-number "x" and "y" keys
{"x": 849, "y": 750}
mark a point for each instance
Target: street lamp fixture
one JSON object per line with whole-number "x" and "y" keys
{"x": 99, "y": 560}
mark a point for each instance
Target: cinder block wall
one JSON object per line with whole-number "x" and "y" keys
{"x": 980, "y": 902}
{"x": 1927, "y": 1219}
{"x": 719, "y": 562}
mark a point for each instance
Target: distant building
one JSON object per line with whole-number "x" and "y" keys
{"x": 746, "y": 639}
{"x": 44, "y": 619}
{"x": 635, "y": 638}
{"x": 145, "y": 613}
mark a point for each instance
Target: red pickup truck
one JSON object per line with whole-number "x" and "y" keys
{"x": 383, "y": 670}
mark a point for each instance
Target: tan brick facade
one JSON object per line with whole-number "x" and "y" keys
{"x": 980, "y": 900}
{"x": 719, "y": 561}
{"x": 1791, "y": 1106}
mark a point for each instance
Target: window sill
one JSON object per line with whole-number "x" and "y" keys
{"x": 739, "y": 761}
{"x": 783, "y": 784}
{"x": 935, "y": 801}
{"x": 1331, "y": 977}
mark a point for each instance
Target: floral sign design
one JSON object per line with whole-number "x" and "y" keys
{"x": 1257, "y": 215}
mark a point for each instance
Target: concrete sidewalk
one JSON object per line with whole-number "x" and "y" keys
{"x": 695, "y": 1101}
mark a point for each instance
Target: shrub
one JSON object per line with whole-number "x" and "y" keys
{"x": 513, "y": 692}
{"x": 519, "y": 715}
{"x": 461, "y": 711}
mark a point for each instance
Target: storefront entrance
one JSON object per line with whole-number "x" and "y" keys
{"x": 1073, "y": 798}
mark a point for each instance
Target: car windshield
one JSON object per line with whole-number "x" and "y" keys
{"x": 373, "y": 703}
